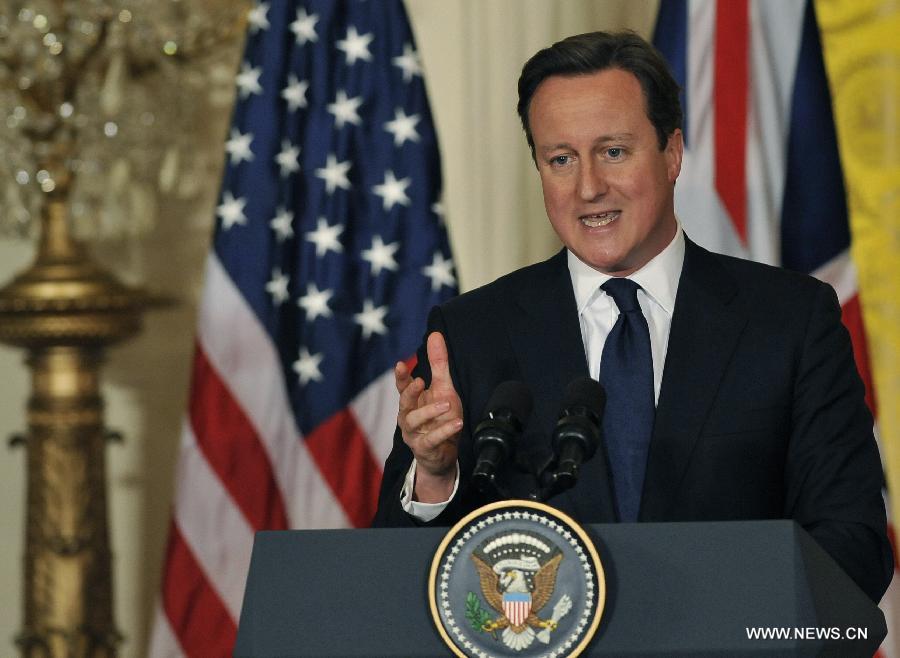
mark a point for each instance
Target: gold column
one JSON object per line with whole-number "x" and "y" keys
{"x": 68, "y": 584}
{"x": 65, "y": 311}
{"x": 87, "y": 89}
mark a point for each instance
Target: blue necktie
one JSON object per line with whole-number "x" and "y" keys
{"x": 626, "y": 372}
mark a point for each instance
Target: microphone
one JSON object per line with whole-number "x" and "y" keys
{"x": 577, "y": 433}
{"x": 494, "y": 441}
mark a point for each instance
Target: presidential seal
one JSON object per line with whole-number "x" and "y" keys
{"x": 516, "y": 578}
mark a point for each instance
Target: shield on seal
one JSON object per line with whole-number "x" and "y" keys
{"x": 516, "y": 606}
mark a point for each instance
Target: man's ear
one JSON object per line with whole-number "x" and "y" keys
{"x": 674, "y": 153}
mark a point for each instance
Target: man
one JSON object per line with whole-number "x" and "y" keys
{"x": 731, "y": 387}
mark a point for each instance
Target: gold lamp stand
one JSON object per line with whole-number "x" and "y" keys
{"x": 66, "y": 311}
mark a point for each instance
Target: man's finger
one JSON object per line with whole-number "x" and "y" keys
{"x": 442, "y": 433}
{"x": 417, "y": 419}
{"x": 409, "y": 396}
{"x": 401, "y": 376}
{"x": 437, "y": 358}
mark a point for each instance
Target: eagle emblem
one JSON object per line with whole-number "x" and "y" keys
{"x": 517, "y": 572}
{"x": 516, "y": 578}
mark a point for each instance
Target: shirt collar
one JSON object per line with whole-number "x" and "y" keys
{"x": 658, "y": 278}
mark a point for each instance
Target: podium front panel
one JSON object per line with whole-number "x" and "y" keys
{"x": 673, "y": 589}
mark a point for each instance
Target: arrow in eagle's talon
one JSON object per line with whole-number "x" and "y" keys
{"x": 560, "y": 610}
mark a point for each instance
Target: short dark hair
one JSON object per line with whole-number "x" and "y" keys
{"x": 597, "y": 51}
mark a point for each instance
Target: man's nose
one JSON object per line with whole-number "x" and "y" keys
{"x": 592, "y": 182}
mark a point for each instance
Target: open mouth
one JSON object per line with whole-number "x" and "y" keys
{"x": 600, "y": 219}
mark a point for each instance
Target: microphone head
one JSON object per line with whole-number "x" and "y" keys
{"x": 510, "y": 398}
{"x": 584, "y": 396}
{"x": 577, "y": 434}
{"x": 494, "y": 440}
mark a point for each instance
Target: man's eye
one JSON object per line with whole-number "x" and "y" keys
{"x": 559, "y": 160}
{"x": 615, "y": 152}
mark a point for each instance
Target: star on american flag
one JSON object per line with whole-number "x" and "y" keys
{"x": 257, "y": 18}
{"x": 304, "y": 27}
{"x": 381, "y": 256}
{"x": 287, "y": 158}
{"x": 278, "y": 286}
{"x": 408, "y": 62}
{"x": 231, "y": 211}
{"x": 371, "y": 319}
{"x": 334, "y": 174}
{"x": 440, "y": 272}
{"x": 403, "y": 127}
{"x": 282, "y": 224}
{"x": 315, "y": 302}
{"x": 393, "y": 191}
{"x": 307, "y": 366}
{"x": 325, "y": 237}
{"x": 238, "y": 146}
{"x": 248, "y": 80}
{"x": 356, "y": 46}
{"x": 345, "y": 110}
{"x": 295, "y": 93}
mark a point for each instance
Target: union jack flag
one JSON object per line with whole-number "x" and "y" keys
{"x": 761, "y": 176}
{"x": 328, "y": 252}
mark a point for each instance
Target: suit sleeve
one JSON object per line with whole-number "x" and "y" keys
{"x": 834, "y": 478}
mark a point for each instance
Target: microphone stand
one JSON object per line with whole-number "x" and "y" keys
{"x": 558, "y": 483}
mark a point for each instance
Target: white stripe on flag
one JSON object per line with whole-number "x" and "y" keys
{"x": 213, "y": 527}
{"x": 696, "y": 202}
{"x": 247, "y": 363}
{"x": 775, "y": 31}
{"x": 163, "y": 643}
{"x": 840, "y": 272}
{"x": 699, "y": 92}
{"x": 369, "y": 409}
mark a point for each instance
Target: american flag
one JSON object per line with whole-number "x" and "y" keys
{"x": 328, "y": 252}
{"x": 761, "y": 176}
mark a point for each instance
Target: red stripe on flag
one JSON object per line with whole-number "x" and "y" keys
{"x": 851, "y": 315}
{"x": 342, "y": 452}
{"x": 233, "y": 449}
{"x": 732, "y": 73}
{"x": 893, "y": 538}
{"x": 196, "y": 614}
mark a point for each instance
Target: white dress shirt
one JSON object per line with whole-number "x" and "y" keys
{"x": 597, "y": 313}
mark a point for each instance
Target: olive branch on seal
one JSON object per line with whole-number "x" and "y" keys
{"x": 478, "y": 617}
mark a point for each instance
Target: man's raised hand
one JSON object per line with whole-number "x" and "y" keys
{"x": 430, "y": 421}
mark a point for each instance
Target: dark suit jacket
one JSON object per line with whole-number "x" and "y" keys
{"x": 761, "y": 414}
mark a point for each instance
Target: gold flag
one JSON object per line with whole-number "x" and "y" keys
{"x": 861, "y": 42}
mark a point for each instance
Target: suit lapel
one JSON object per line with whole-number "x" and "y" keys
{"x": 544, "y": 330}
{"x": 706, "y": 325}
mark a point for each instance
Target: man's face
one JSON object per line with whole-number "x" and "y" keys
{"x": 608, "y": 189}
